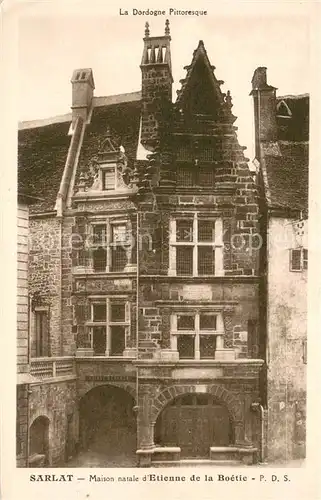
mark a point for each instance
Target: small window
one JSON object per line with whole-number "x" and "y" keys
{"x": 99, "y": 234}
{"x": 120, "y": 236}
{"x": 185, "y": 176}
{"x": 298, "y": 259}
{"x": 42, "y": 333}
{"x": 185, "y": 346}
{"x": 207, "y": 346}
{"x": 117, "y": 341}
{"x": 206, "y": 230}
{"x": 100, "y": 259}
{"x": 99, "y": 340}
{"x": 207, "y": 322}
{"x": 206, "y": 260}
{"x": 117, "y": 312}
{"x": 304, "y": 356}
{"x": 99, "y": 312}
{"x": 185, "y": 322}
{"x": 184, "y": 230}
{"x": 295, "y": 260}
{"x": 184, "y": 261}
{"x": 305, "y": 258}
{"x": 109, "y": 179}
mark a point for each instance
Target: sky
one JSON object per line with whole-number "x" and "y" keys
{"x": 51, "y": 46}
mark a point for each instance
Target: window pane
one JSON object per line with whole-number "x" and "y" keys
{"x": 185, "y": 322}
{"x": 184, "y": 261}
{"x": 119, "y": 235}
{"x": 100, "y": 259}
{"x": 109, "y": 179}
{"x": 117, "y": 312}
{"x": 184, "y": 230}
{"x": 99, "y": 234}
{"x": 99, "y": 340}
{"x": 99, "y": 312}
{"x": 207, "y": 346}
{"x": 118, "y": 258}
{"x": 117, "y": 340}
{"x": 185, "y": 346}
{"x": 295, "y": 260}
{"x": 42, "y": 334}
{"x": 206, "y": 230}
{"x": 184, "y": 176}
{"x": 206, "y": 176}
{"x": 207, "y": 322}
{"x": 205, "y": 260}
{"x": 305, "y": 258}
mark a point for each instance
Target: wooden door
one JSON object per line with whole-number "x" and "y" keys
{"x": 194, "y": 423}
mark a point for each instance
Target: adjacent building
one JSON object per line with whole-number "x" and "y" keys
{"x": 282, "y": 159}
{"x": 146, "y": 274}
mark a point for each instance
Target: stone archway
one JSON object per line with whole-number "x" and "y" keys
{"x": 39, "y": 442}
{"x": 108, "y": 425}
{"x": 217, "y": 390}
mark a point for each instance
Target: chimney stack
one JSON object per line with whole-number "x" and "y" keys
{"x": 82, "y": 93}
{"x": 157, "y": 83}
{"x": 264, "y": 99}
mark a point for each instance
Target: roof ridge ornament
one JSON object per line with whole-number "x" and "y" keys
{"x": 167, "y": 28}
{"x": 147, "y": 32}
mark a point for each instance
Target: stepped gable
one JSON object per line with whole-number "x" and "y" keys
{"x": 200, "y": 91}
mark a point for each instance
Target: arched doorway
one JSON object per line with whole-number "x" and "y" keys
{"x": 194, "y": 422}
{"x": 108, "y": 425}
{"x": 39, "y": 440}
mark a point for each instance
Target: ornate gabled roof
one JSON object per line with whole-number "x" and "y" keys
{"x": 201, "y": 83}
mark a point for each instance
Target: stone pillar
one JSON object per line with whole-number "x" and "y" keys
{"x": 145, "y": 427}
{"x": 239, "y": 432}
{"x": 248, "y": 420}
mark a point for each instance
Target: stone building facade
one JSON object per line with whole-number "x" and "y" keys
{"x": 146, "y": 275}
{"x": 282, "y": 159}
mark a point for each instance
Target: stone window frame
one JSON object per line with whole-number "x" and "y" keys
{"x": 217, "y": 243}
{"x": 34, "y": 333}
{"x": 110, "y": 223}
{"x": 303, "y": 260}
{"x": 218, "y": 332}
{"x": 108, "y": 324}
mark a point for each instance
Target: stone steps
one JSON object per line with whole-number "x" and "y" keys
{"x": 197, "y": 462}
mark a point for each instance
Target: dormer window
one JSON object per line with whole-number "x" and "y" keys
{"x": 109, "y": 180}
{"x": 283, "y": 110}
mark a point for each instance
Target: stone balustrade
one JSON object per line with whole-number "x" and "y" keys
{"x": 52, "y": 367}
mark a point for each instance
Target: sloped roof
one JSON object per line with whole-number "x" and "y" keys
{"x": 122, "y": 119}
{"x": 43, "y": 149}
{"x": 285, "y": 169}
{"x": 42, "y": 153}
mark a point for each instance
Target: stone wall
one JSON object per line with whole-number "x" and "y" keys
{"x": 22, "y": 425}
{"x": 22, "y": 292}
{"x": 44, "y": 272}
{"x": 58, "y": 402}
{"x": 286, "y": 333}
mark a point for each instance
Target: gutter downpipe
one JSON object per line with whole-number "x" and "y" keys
{"x": 257, "y": 407}
{"x": 137, "y": 319}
